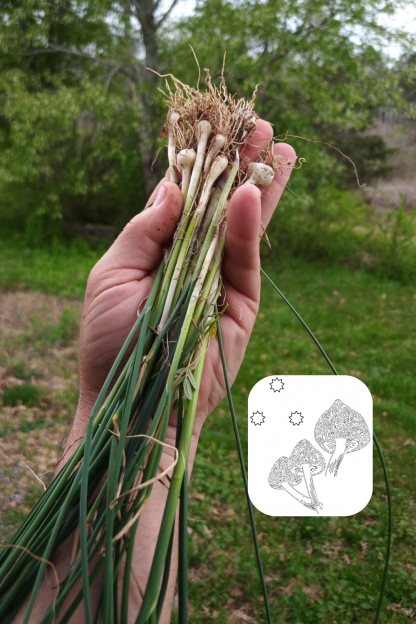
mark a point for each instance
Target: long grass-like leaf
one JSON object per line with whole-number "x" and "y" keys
{"x": 379, "y": 451}
{"x": 143, "y": 319}
{"x": 183, "y": 533}
{"x": 244, "y": 475}
{"x": 152, "y": 589}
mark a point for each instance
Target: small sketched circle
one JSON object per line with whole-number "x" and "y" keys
{"x": 277, "y": 384}
{"x": 257, "y": 418}
{"x": 296, "y": 418}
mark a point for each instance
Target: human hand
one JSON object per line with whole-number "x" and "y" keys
{"x": 117, "y": 285}
{"x": 123, "y": 277}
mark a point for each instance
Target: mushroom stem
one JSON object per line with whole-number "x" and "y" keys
{"x": 310, "y": 486}
{"x": 337, "y": 456}
{"x": 301, "y": 498}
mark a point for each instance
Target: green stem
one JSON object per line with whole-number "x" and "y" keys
{"x": 153, "y": 584}
{"x": 377, "y": 445}
{"x": 244, "y": 475}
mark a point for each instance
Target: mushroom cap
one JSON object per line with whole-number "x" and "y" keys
{"x": 341, "y": 421}
{"x": 280, "y": 473}
{"x": 305, "y": 453}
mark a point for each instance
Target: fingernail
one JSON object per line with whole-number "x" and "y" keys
{"x": 161, "y": 194}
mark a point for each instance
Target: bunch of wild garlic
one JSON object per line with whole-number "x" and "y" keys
{"x": 100, "y": 493}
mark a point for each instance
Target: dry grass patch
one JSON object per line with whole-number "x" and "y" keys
{"x": 38, "y": 393}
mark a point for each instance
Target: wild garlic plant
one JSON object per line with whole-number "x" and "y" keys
{"x": 98, "y": 496}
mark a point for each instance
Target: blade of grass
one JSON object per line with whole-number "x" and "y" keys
{"x": 65, "y": 507}
{"x": 49, "y": 498}
{"x": 166, "y": 572}
{"x": 71, "y": 610}
{"x": 152, "y": 589}
{"x": 244, "y": 475}
{"x": 144, "y": 320}
{"x": 165, "y": 578}
{"x": 390, "y": 530}
{"x": 114, "y": 469}
{"x": 379, "y": 451}
{"x": 183, "y": 534}
{"x": 127, "y": 573}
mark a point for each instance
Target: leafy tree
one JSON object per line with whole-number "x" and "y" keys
{"x": 99, "y": 39}
{"x": 80, "y": 114}
{"x": 406, "y": 68}
{"x": 320, "y": 66}
{"x": 70, "y": 153}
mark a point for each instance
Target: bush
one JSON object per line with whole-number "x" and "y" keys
{"x": 339, "y": 227}
{"x": 67, "y": 155}
{"x": 393, "y": 242}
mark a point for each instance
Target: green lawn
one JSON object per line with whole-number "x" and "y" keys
{"x": 319, "y": 570}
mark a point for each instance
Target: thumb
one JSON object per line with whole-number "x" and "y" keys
{"x": 142, "y": 242}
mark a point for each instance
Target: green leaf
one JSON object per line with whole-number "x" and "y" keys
{"x": 192, "y": 380}
{"x": 188, "y": 389}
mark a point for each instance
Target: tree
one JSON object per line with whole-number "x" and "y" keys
{"x": 320, "y": 66}
{"x": 98, "y": 38}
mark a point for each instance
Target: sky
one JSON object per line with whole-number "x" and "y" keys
{"x": 404, "y": 18}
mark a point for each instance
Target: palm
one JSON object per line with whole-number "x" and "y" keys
{"x": 123, "y": 277}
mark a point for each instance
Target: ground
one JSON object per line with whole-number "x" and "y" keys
{"x": 319, "y": 570}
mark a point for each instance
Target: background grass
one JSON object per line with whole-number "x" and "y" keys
{"x": 319, "y": 570}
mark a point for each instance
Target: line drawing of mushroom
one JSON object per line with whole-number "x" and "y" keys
{"x": 307, "y": 462}
{"x": 339, "y": 431}
{"x": 281, "y": 477}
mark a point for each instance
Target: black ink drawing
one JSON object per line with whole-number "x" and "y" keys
{"x": 276, "y": 384}
{"x": 257, "y": 418}
{"x": 303, "y": 464}
{"x": 296, "y": 418}
{"x": 339, "y": 431}
{"x": 281, "y": 477}
{"x": 308, "y": 462}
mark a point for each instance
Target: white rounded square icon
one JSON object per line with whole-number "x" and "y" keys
{"x": 310, "y": 450}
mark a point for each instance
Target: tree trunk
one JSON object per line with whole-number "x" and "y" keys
{"x": 145, "y": 11}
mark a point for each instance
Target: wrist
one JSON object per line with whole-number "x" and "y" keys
{"x": 86, "y": 402}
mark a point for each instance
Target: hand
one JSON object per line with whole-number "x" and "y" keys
{"x": 117, "y": 285}
{"x": 122, "y": 279}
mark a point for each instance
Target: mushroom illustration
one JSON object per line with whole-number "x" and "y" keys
{"x": 307, "y": 462}
{"x": 282, "y": 478}
{"x": 339, "y": 431}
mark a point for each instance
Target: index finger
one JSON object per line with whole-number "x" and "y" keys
{"x": 271, "y": 194}
{"x": 257, "y": 142}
